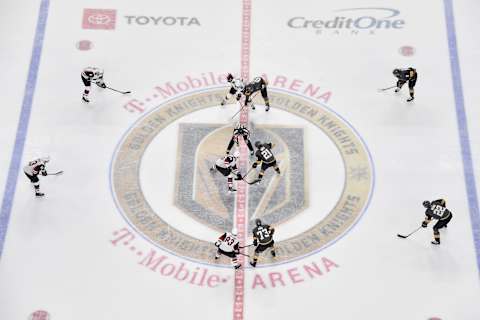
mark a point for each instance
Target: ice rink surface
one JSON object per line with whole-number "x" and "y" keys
{"x": 127, "y": 231}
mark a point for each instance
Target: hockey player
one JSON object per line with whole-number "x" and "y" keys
{"x": 228, "y": 245}
{"x": 240, "y": 131}
{"x": 262, "y": 239}
{"x": 404, "y": 75}
{"x": 258, "y": 83}
{"x": 236, "y": 87}
{"x": 89, "y": 75}
{"x": 227, "y": 166}
{"x": 266, "y": 158}
{"x": 33, "y": 169}
{"x": 436, "y": 210}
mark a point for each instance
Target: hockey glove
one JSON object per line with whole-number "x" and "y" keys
{"x": 254, "y": 165}
{"x": 424, "y": 224}
{"x": 238, "y": 96}
{"x": 44, "y": 173}
{"x": 101, "y": 85}
{"x": 255, "y": 242}
{"x": 217, "y": 243}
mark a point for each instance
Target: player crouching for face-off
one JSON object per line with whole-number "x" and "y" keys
{"x": 404, "y": 75}
{"x": 35, "y": 168}
{"x": 227, "y": 166}
{"x": 436, "y": 210}
{"x": 262, "y": 239}
{"x": 236, "y": 87}
{"x": 89, "y": 75}
{"x": 266, "y": 158}
{"x": 257, "y": 84}
{"x": 228, "y": 245}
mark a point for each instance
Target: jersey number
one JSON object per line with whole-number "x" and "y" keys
{"x": 438, "y": 210}
{"x": 263, "y": 233}
{"x": 266, "y": 154}
{"x": 229, "y": 241}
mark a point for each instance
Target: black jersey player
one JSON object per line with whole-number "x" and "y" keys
{"x": 227, "y": 166}
{"x": 266, "y": 158}
{"x": 436, "y": 210}
{"x": 257, "y": 84}
{"x": 406, "y": 75}
{"x": 89, "y": 75}
{"x": 262, "y": 239}
{"x": 236, "y": 87}
{"x": 240, "y": 130}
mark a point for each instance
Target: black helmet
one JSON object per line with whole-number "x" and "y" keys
{"x": 396, "y": 72}
{"x": 426, "y": 204}
{"x": 258, "y": 222}
{"x": 229, "y": 77}
{"x": 258, "y": 144}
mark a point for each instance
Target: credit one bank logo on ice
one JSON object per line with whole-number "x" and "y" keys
{"x": 351, "y": 21}
{"x": 99, "y": 19}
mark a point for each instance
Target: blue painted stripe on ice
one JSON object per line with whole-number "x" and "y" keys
{"x": 22, "y": 128}
{"x": 468, "y": 171}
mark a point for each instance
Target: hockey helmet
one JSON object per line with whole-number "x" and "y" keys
{"x": 229, "y": 77}
{"x": 234, "y": 231}
{"x": 258, "y": 222}
{"x": 443, "y": 202}
{"x": 426, "y": 204}
{"x": 258, "y": 144}
{"x": 396, "y": 72}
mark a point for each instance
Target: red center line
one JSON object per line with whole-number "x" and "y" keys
{"x": 241, "y": 211}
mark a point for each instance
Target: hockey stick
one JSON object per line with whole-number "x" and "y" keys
{"x": 122, "y": 92}
{"x": 243, "y": 107}
{"x": 408, "y": 235}
{"x": 56, "y": 173}
{"x": 385, "y": 89}
{"x": 238, "y": 112}
{"x": 243, "y": 254}
{"x": 247, "y": 246}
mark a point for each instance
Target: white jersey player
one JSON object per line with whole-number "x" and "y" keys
{"x": 236, "y": 88}
{"x": 228, "y": 245}
{"x": 35, "y": 168}
{"x": 89, "y": 75}
{"x": 227, "y": 166}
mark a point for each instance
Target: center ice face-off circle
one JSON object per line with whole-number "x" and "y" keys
{"x": 134, "y": 205}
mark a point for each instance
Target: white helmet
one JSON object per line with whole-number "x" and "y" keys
{"x": 234, "y": 231}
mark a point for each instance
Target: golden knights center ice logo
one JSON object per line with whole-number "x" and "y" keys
{"x": 202, "y": 195}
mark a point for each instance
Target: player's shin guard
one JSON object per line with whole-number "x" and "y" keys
{"x": 235, "y": 263}
{"x": 230, "y": 184}
{"x": 254, "y": 262}
{"x": 260, "y": 175}
{"x": 436, "y": 236}
{"x": 274, "y": 254}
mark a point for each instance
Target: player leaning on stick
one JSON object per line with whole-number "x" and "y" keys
{"x": 404, "y": 75}
{"x": 228, "y": 245}
{"x": 240, "y": 130}
{"x": 265, "y": 157}
{"x": 89, "y": 75}
{"x": 236, "y": 87}
{"x": 258, "y": 83}
{"x": 262, "y": 239}
{"x": 227, "y": 166}
{"x": 436, "y": 210}
{"x": 35, "y": 168}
